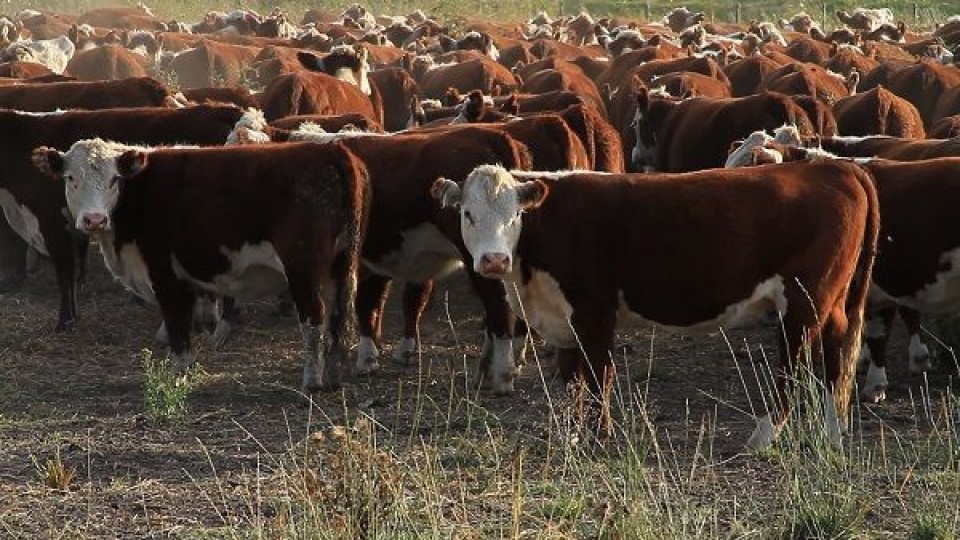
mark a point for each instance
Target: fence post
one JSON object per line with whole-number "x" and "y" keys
{"x": 823, "y": 21}
{"x": 559, "y": 8}
{"x": 916, "y": 13}
{"x": 739, "y": 12}
{"x": 646, "y": 10}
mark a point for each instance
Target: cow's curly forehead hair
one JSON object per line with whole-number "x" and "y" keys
{"x": 494, "y": 177}
{"x": 94, "y": 152}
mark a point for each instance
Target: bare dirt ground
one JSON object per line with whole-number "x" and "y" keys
{"x": 82, "y": 393}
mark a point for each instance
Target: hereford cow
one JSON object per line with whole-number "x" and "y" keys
{"x": 334, "y": 84}
{"x": 666, "y": 129}
{"x": 250, "y": 221}
{"x": 410, "y": 239}
{"x": 652, "y": 268}
{"x": 878, "y": 112}
{"x": 34, "y": 207}
{"x": 139, "y": 92}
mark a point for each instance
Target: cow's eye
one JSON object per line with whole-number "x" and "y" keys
{"x": 469, "y": 217}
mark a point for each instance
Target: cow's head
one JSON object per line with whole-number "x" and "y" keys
{"x": 648, "y": 119}
{"x": 94, "y": 172}
{"x": 347, "y": 63}
{"x": 491, "y": 202}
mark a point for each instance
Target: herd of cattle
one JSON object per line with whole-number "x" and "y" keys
{"x": 538, "y": 156}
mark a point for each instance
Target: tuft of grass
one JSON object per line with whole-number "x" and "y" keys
{"x": 55, "y": 474}
{"x": 932, "y": 527}
{"x": 165, "y": 395}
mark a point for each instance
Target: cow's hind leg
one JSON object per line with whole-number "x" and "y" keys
{"x": 310, "y": 309}
{"x": 919, "y": 354}
{"x": 372, "y": 293}
{"x": 416, "y": 296}
{"x": 594, "y": 331}
{"x": 879, "y": 324}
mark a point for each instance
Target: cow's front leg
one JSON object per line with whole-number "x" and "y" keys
{"x": 176, "y": 304}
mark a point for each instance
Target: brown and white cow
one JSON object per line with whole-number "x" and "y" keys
{"x": 891, "y": 147}
{"x": 666, "y": 130}
{"x": 633, "y": 256}
{"x": 334, "y": 84}
{"x": 409, "y": 239}
{"x": 248, "y": 221}
{"x": 34, "y": 207}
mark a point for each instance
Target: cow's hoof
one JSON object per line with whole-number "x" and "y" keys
{"x": 366, "y": 367}
{"x": 65, "y": 326}
{"x": 875, "y": 394}
{"x": 921, "y": 364}
{"x": 221, "y": 334}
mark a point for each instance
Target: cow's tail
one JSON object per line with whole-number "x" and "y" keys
{"x": 883, "y": 113}
{"x": 356, "y": 187}
{"x": 296, "y": 93}
{"x": 857, "y": 295}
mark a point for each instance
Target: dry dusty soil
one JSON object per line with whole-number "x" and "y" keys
{"x": 212, "y": 475}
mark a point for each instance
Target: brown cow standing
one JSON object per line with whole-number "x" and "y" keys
{"x": 248, "y": 221}
{"x": 878, "y": 112}
{"x": 805, "y": 235}
{"x": 34, "y": 207}
{"x": 335, "y": 84}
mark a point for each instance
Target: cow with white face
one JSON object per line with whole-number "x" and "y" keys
{"x": 693, "y": 252}
{"x": 238, "y": 221}
{"x": 92, "y": 179}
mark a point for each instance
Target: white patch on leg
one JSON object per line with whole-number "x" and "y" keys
{"x": 406, "y": 350}
{"x": 181, "y": 362}
{"x": 502, "y": 370}
{"x": 162, "y": 338}
{"x": 919, "y": 355}
{"x": 763, "y": 435}
{"x": 831, "y": 419}
{"x": 367, "y": 353}
{"x": 221, "y": 333}
{"x": 875, "y": 386}
{"x": 312, "y": 359}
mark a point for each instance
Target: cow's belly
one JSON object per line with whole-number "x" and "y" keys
{"x": 23, "y": 221}
{"x": 424, "y": 253}
{"x": 254, "y": 271}
{"x": 765, "y": 305}
{"x": 127, "y": 265}
{"x": 541, "y": 302}
{"x": 940, "y": 296}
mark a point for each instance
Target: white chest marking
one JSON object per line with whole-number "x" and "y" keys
{"x": 128, "y": 266}
{"x": 23, "y": 221}
{"x": 543, "y": 304}
{"x": 425, "y": 253}
{"x": 255, "y": 271}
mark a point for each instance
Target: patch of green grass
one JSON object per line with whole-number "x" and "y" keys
{"x": 932, "y": 527}
{"x": 165, "y": 394}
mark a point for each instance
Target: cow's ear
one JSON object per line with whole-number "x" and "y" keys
{"x": 532, "y": 193}
{"x": 49, "y": 161}
{"x": 447, "y": 192}
{"x": 131, "y": 163}
{"x": 310, "y": 61}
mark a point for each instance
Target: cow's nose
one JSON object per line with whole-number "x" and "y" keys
{"x": 494, "y": 263}
{"x": 96, "y": 222}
